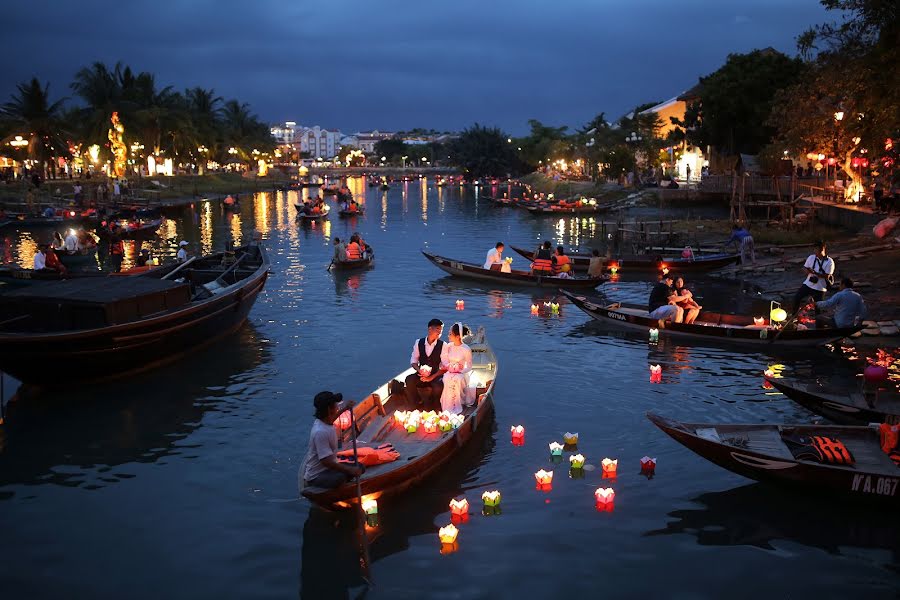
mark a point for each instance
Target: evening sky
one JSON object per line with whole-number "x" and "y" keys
{"x": 399, "y": 64}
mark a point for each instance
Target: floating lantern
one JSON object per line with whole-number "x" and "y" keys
{"x": 449, "y": 548}
{"x": 544, "y": 480}
{"x": 648, "y": 465}
{"x": 875, "y": 374}
{"x": 426, "y": 416}
{"x": 448, "y": 534}
{"x": 664, "y": 269}
{"x": 491, "y": 499}
{"x": 556, "y": 449}
{"x": 576, "y": 461}
{"x": 508, "y": 260}
{"x": 456, "y": 421}
{"x": 345, "y": 420}
{"x": 654, "y": 335}
{"x": 655, "y": 373}
{"x": 370, "y": 506}
{"x": 534, "y": 309}
{"x": 571, "y": 439}
{"x": 430, "y": 425}
{"x": 400, "y": 417}
{"x": 412, "y": 426}
{"x": 460, "y": 305}
{"x": 445, "y": 425}
{"x": 605, "y": 498}
{"x": 614, "y": 268}
{"x": 554, "y": 307}
{"x": 518, "y": 435}
{"x": 425, "y": 370}
{"x": 459, "y": 507}
{"x": 609, "y": 466}
{"x": 759, "y": 321}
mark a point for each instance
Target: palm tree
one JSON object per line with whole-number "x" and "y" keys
{"x": 103, "y": 92}
{"x": 205, "y": 109}
{"x": 30, "y": 113}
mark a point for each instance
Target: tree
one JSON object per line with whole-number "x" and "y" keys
{"x": 484, "y": 152}
{"x": 103, "y": 92}
{"x": 544, "y": 143}
{"x": 392, "y": 149}
{"x": 30, "y": 113}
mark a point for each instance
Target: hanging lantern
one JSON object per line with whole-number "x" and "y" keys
{"x": 448, "y": 534}
{"x": 556, "y": 449}
{"x": 518, "y": 435}
{"x": 459, "y": 507}
{"x": 648, "y": 465}
{"x": 655, "y": 374}
{"x": 832, "y": 161}
{"x": 571, "y": 439}
{"x": 345, "y": 420}
{"x": 460, "y": 305}
{"x": 605, "y": 498}
{"x": 609, "y": 467}
{"x": 576, "y": 461}
{"x": 654, "y": 335}
{"x": 491, "y": 499}
{"x": 759, "y": 321}
{"x": 778, "y": 314}
{"x": 534, "y": 309}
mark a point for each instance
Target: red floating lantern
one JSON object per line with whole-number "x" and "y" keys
{"x": 609, "y": 467}
{"x": 518, "y": 435}
{"x": 605, "y": 498}
{"x": 459, "y": 507}
{"x": 648, "y": 465}
{"x": 460, "y": 305}
{"x": 655, "y": 374}
{"x": 544, "y": 480}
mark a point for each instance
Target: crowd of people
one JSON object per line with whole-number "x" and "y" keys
{"x": 354, "y": 249}
{"x": 312, "y": 207}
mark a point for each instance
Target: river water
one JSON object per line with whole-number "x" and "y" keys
{"x": 182, "y": 482}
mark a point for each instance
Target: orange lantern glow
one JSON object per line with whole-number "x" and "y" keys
{"x": 534, "y": 309}
{"x": 448, "y": 534}
{"x": 345, "y": 420}
{"x": 518, "y": 435}
{"x": 459, "y": 507}
{"x": 614, "y": 268}
{"x": 544, "y": 479}
{"x": 655, "y": 374}
{"x": 609, "y": 467}
{"x": 759, "y": 321}
{"x": 460, "y": 305}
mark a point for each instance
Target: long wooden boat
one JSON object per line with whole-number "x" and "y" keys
{"x": 78, "y": 259}
{"x": 305, "y": 217}
{"x": 639, "y": 262}
{"x": 472, "y": 271}
{"x": 82, "y": 329}
{"x": 346, "y": 214}
{"x": 761, "y": 452}
{"x": 557, "y": 209}
{"x": 421, "y": 454}
{"x": 847, "y": 407}
{"x": 710, "y": 326}
{"x": 352, "y": 265}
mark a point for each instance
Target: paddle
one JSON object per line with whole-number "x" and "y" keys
{"x": 363, "y": 539}
{"x": 331, "y": 264}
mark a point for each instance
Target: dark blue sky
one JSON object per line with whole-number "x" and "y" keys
{"x": 399, "y": 64}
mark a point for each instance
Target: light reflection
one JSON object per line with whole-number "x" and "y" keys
{"x": 261, "y": 212}
{"x": 26, "y": 249}
{"x": 357, "y": 186}
{"x": 206, "y": 228}
{"x": 236, "y": 229}
{"x": 423, "y": 187}
{"x": 384, "y": 211}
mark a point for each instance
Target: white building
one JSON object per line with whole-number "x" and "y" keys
{"x": 318, "y": 142}
{"x": 284, "y": 134}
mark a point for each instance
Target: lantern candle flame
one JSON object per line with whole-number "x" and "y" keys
{"x": 448, "y": 534}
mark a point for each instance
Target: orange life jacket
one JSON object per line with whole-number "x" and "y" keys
{"x": 316, "y": 210}
{"x": 353, "y": 208}
{"x": 353, "y": 251}
{"x": 370, "y": 456}
{"x": 889, "y": 434}
{"x": 561, "y": 259}
{"x": 832, "y": 450}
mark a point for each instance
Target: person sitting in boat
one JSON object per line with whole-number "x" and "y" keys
{"x": 596, "y": 266}
{"x": 363, "y": 246}
{"x": 58, "y": 243}
{"x": 229, "y": 201}
{"x": 426, "y": 384}
{"x": 849, "y": 307}
{"x": 182, "y": 254}
{"x": 456, "y": 363}
{"x": 543, "y": 260}
{"x": 52, "y": 262}
{"x": 85, "y": 241}
{"x": 343, "y": 206}
{"x": 304, "y": 209}
{"x": 321, "y": 467}
{"x": 685, "y": 299}
{"x": 316, "y": 209}
{"x": 143, "y": 258}
{"x": 353, "y": 207}
{"x": 71, "y": 242}
{"x": 662, "y": 303}
{"x": 354, "y": 250}
{"x": 561, "y": 263}
{"x": 340, "y": 251}
{"x": 494, "y": 259}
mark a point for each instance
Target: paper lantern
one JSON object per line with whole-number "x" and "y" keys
{"x": 459, "y": 507}
{"x": 430, "y": 425}
{"x": 370, "y": 506}
{"x": 655, "y": 373}
{"x": 759, "y": 321}
{"x": 534, "y": 309}
{"x": 445, "y": 425}
{"x": 778, "y": 315}
{"x": 648, "y": 464}
{"x": 556, "y": 449}
{"x": 570, "y": 439}
{"x": 456, "y": 421}
{"x": 460, "y": 305}
{"x": 613, "y": 268}
{"x": 605, "y": 498}
{"x": 412, "y": 426}
{"x": 554, "y": 307}
{"x": 609, "y": 466}
{"x": 576, "y": 461}
{"x": 875, "y": 374}
{"x": 491, "y": 499}
{"x": 654, "y": 335}
{"x": 448, "y": 534}
{"x": 544, "y": 477}
{"x": 400, "y": 417}
{"x": 518, "y": 434}
{"x": 345, "y": 420}
{"x": 449, "y": 548}
{"x": 425, "y": 370}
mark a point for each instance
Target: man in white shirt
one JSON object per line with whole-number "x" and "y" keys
{"x": 182, "y": 251}
{"x": 424, "y": 387}
{"x": 40, "y": 259}
{"x": 494, "y": 256}
{"x": 819, "y": 269}
{"x": 71, "y": 241}
{"x": 321, "y": 467}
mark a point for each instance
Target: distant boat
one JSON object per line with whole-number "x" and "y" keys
{"x": 514, "y": 277}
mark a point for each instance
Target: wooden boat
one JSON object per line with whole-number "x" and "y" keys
{"x": 557, "y": 209}
{"x": 84, "y": 258}
{"x": 308, "y": 218}
{"x": 421, "y": 454}
{"x": 847, "y": 407}
{"x": 351, "y": 265}
{"x": 710, "y": 326}
{"x": 346, "y": 214}
{"x": 472, "y": 271}
{"x": 91, "y": 328}
{"x": 130, "y": 230}
{"x": 760, "y": 452}
{"x": 580, "y": 262}
{"x": 330, "y": 190}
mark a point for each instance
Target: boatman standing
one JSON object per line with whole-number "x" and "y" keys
{"x": 321, "y": 467}
{"x": 182, "y": 251}
{"x": 427, "y": 381}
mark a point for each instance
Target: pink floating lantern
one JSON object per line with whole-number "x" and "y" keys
{"x": 609, "y": 466}
{"x": 459, "y": 507}
{"x": 518, "y": 435}
{"x": 460, "y": 305}
{"x": 655, "y": 373}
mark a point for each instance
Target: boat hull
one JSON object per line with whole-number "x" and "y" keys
{"x": 353, "y": 265}
{"x": 835, "y": 408}
{"x": 517, "y": 278}
{"x": 701, "y": 264}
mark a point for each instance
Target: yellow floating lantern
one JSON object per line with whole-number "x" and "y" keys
{"x": 576, "y": 461}
{"x": 448, "y": 534}
{"x": 412, "y": 426}
{"x": 556, "y": 449}
{"x": 554, "y": 307}
{"x": 491, "y": 499}
{"x": 445, "y": 425}
{"x": 609, "y": 467}
{"x": 570, "y": 439}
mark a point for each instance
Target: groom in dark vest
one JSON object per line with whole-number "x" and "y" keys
{"x": 424, "y": 387}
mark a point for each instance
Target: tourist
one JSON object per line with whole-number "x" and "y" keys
{"x": 340, "y": 251}
{"x": 596, "y": 266}
{"x": 543, "y": 260}
{"x": 494, "y": 257}
{"x": 561, "y": 263}
{"x": 116, "y": 248}
{"x": 117, "y": 191}
{"x": 58, "y": 243}
{"x": 71, "y": 243}
{"x": 40, "y": 258}
{"x": 819, "y": 269}
{"x": 743, "y": 241}
{"x": 77, "y": 189}
{"x": 51, "y": 261}
{"x": 321, "y": 467}
{"x": 849, "y": 307}
{"x": 426, "y": 384}
{"x": 685, "y": 300}
{"x": 143, "y": 258}
{"x": 181, "y": 255}
{"x": 354, "y": 250}
{"x": 364, "y": 248}
{"x": 661, "y": 305}
{"x": 456, "y": 363}
{"x": 687, "y": 170}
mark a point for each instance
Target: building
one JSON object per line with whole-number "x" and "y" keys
{"x": 318, "y": 142}
{"x": 284, "y": 134}
{"x": 689, "y": 157}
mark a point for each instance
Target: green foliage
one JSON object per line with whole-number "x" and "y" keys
{"x": 30, "y": 113}
{"x": 543, "y": 143}
{"x": 391, "y": 148}
{"x": 484, "y": 152}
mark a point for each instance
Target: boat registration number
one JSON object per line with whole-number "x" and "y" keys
{"x": 613, "y": 315}
{"x": 882, "y": 486}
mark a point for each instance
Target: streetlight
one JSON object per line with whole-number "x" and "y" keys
{"x": 839, "y": 115}
{"x": 403, "y": 158}
{"x": 18, "y": 142}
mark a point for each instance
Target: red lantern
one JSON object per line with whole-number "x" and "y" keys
{"x": 460, "y": 305}
{"x": 759, "y": 321}
{"x": 344, "y": 420}
{"x": 605, "y": 498}
{"x": 832, "y": 161}
{"x": 648, "y": 465}
{"x": 518, "y": 435}
{"x": 875, "y": 374}
{"x": 544, "y": 480}
{"x": 609, "y": 467}
{"x": 459, "y": 507}
{"x": 655, "y": 374}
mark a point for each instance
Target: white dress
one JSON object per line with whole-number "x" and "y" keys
{"x": 458, "y": 362}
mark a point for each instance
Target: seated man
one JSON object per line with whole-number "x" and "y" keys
{"x": 596, "y": 266}
{"x": 426, "y": 385}
{"x": 494, "y": 259}
{"x": 849, "y": 307}
{"x": 661, "y": 305}
{"x": 321, "y": 467}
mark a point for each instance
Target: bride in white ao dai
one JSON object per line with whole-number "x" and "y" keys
{"x": 456, "y": 360}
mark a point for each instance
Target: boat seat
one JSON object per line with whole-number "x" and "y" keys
{"x": 213, "y": 287}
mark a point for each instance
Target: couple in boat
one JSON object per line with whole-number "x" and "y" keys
{"x": 441, "y": 370}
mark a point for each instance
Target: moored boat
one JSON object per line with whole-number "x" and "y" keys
{"x": 514, "y": 277}
{"x": 639, "y": 262}
{"x": 848, "y": 407}
{"x": 715, "y": 327}
{"x": 792, "y": 455}
{"x": 82, "y": 329}
{"x": 421, "y": 454}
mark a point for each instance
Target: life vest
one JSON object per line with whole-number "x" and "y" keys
{"x": 51, "y": 260}
{"x": 353, "y": 208}
{"x": 369, "y": 456}
{"x": 116, "y": 247}
{"x": 561, "y": 259}
{"x": 542, "y": 261}
{"x": 832, "y": 450}
{"x": 890, "y": 436}
{"x": 353, "y": 251}
{"x": 316, "y": 210}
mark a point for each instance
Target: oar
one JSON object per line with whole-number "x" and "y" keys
{"x": 363, "y": 540}
{"x": 331, "y": 264}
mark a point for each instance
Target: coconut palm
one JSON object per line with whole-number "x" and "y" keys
{"x": 103, "y": 92}
{"x": 30, "y": 114}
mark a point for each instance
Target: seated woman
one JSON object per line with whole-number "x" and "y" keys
{"x": 685, "y": 299}
{"x": 456, "y": 364}
{"x": 543, "y": 260}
